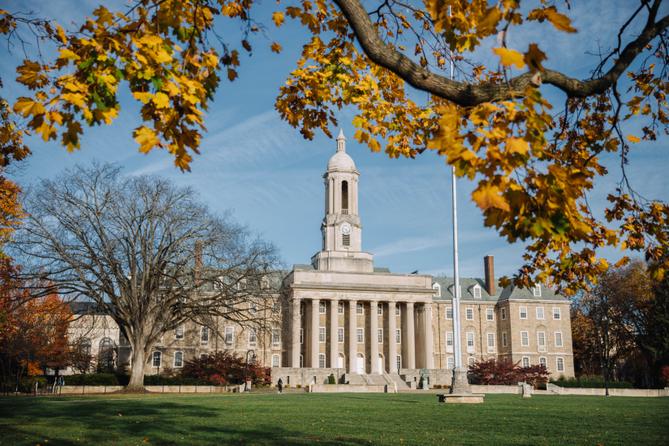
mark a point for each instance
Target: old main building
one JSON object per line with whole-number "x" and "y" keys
{"x": 340, "y": 315}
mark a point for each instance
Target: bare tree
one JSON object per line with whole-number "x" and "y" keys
{"x": 148, "y": 253}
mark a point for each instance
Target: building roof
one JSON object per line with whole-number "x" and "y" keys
{"x": 467, "y": 285}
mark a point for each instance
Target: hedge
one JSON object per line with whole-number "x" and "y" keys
{"x": 591, "y": 382}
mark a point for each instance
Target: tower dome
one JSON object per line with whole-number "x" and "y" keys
{"x": 340, "y": 161}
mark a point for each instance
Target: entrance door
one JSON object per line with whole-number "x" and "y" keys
{"x": 340, "y": 361}
{"x": 379, "y": 365}
{"x": 360, "y": 364}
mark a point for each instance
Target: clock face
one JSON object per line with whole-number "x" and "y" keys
{"x": 346, "y": 229}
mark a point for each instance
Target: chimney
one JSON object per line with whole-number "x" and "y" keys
{"x": 197, "y": 270}
{"x": 489, "y": 266}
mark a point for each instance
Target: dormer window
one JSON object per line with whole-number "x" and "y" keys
{"x": 437, "y": 289}
{"x": 476, "y": 291}
{"x": 536, "y": 291}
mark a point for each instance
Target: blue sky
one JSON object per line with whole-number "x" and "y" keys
{"x": 271, "y": 178}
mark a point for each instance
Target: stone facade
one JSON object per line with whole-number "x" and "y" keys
{"x": 342, "y": 316}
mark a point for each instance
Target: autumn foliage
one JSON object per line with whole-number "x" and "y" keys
{"x": 33, "y": 333}
{"x": 534, "y": 162}
{"x": 506, "y": 372}
{"x": 222, "y": 368}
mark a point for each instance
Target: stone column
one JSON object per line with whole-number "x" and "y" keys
{"x": 295, "y": 334}
{"x": 392, "y": 340}
{"x": 334, "y": 326}
{"x": 315, "y": 323}
{"x": 352, "y": 335}
{"x": 373, "y": 336}
{"x": 410, "y": 338}
{"x": 429, "y": 340}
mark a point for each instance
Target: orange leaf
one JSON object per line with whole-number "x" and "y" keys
{"x": 487, "y": 196}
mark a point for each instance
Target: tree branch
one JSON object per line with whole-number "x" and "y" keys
{"x": 466, "y": 94}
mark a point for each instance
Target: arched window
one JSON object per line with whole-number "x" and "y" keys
{"x": 106, "y": 355}
{"x": 344, "y": 197}
{"x": 85, "y": 346}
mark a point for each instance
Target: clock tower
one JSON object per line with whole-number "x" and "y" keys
{"x": 341, "y": 228}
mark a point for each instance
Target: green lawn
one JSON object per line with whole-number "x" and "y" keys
{"x": 329, "y": 419}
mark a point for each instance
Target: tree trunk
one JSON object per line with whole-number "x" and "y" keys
{"x": 136, "y": 383}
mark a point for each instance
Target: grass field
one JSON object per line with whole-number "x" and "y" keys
{"x": 331, "y": 419}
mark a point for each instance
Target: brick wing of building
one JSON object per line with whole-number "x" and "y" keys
{"x": 340, "y": 315}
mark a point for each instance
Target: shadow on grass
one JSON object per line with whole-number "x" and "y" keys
{"x": 75, "y": 422}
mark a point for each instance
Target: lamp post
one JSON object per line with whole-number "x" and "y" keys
{"x": 606, "y": 352}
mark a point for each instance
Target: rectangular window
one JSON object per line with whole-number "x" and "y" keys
{"x": 178, "y": 359}
{"x": 398, "y": 362}
{"x": 179, "y": 332}
{"x": 541, "y": 341}
{"x": 359, "y": 309}
{"x": 470, "y": 341}
{"x": 321, "y": 360}
{"x": 276, "y": 337}
{"x": 397, "y": 310}
{"x": 477, "y": 292}
{"x": 526, "y": 361}
{"x": 523, "y": 312}
{"x": 557, "y": 315}
{"x": 540, "y": 313}
{"x": 449, "y": 342}
{"x": 449, "y": 312}
{"x": 490, "y": 314}
{"x": 340, "y": 308}
{"x": 560, "y": 364}
{"x": 301, "y": 335}
{"x": 321, "y": 334}
{"x": 322, "y": 308}
{"x": 380, "y": 336}
{"x": 157, "y": 356}
{"x": 361, "y": 335}
{"x": 524, "y": 339}
{"x": 204, "y": 336}
{"x": 470, "y": 314}
{"x": 346, "y": 239}
{"x": 301, "y": 309}
{"x": 253, "y": 338}
{"x": 503, "y": 313}
{"x": 276, "y": 361}
{"x": 398, "y": 336}
{"x": 505, "y": 339}
{"x": 340, "y": 335}
{"x": 379, "y": 310}
{"x": 450, "y": 362}
{"x": 229, "y": 335}
{"x": 542, "y": 361}
{"x": 491, "y": 342}
{"x": 558, "y": 339}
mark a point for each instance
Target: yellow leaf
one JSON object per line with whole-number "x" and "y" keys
{"x": 146, "y": 138}
{"x": 27, "y": 107}
{"x": 278, "y": 18}
{"x": 68, "y": 54}
{"x": 509, "y": 57}
{"x": 489, "y": 22}
{"x": 487, "y": 196}
{"x": 517, "y": 145}
{"x": 161, "y": 100}
{"x": 559, "y": 21}
{"x": 142, "y": 96}
{"x": 276, "y": 47}
{"x": 632, "y": 138}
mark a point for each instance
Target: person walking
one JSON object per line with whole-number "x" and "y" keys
{"x": 279, "y": 385}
